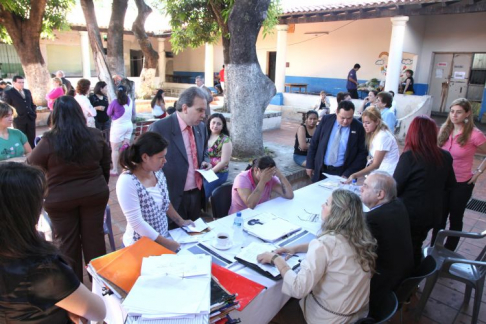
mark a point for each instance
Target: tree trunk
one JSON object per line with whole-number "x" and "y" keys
{"x": 97, "y": 46}
{"x": 250, "y": 91}
{"x": 150, "y": 56}
{"x": 25, "y": 34}
{"x": 116, "y": 63}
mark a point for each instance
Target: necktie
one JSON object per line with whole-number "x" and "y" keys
{"x": 192, "y": 143}
{"x": 334, "y": 148}
{"x": 22, "y": 93}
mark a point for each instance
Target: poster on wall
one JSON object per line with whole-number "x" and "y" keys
{"x": 460, "y": 75}
{"x": 439, "y": 73}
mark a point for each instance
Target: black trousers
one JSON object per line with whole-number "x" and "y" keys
{"x": 353, "y": 93}
{"x": 330, "y": 170}
{"x": 27, "y": 127}
{"x": 190, "y": 207}
{"x": 455, "y": 202}
{"x": 419, "y": 234}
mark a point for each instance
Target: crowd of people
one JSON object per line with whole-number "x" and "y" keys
{"x": 357, "y": 257}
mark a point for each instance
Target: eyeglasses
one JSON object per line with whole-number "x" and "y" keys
{"x": 310, "y": 217}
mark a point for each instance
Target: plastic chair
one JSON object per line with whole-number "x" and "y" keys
{"x": 107, "y": 229}
{"x": 454, "y": 266}
{"x": 221, "y": 200}
{"x": 387, "y": 310}
{"x": 406, "y": 288}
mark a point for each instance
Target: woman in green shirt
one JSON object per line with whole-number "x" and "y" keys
{"x": 13, "y": 143}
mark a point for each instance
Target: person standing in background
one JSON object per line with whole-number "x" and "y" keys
{"x": 352, "y": 84}
{"x": 221, "y": 77}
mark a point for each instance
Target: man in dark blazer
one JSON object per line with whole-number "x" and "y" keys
{"x": 389, "y": 224}
{"x": 184, "y": 187}
{"x": 339, "y": 128}
{"x": 21, "y": 100}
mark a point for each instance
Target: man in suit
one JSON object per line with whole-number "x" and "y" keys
{"x": 389, "y": 224}
{"x": 21, "y": 100}
{"x": 186, "y": 132}
{"x": 209, "y": 94}
{"x": 338, "y": 145}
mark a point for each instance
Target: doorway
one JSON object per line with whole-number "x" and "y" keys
{"x": 136, "y": 63}
{"x": 272, "y": 62}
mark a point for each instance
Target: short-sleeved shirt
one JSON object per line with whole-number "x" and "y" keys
{"x": 31, "y": 288}
{"x": 463, "y": 156}
{"x": 349, "y": 84}
{"x": 385, "y": 141}
{"x": 215, "y": 152}
{"x": 244, "y": 180}
{"x": 14, "y": 145}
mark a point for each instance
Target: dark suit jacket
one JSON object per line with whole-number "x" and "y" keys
{"x": 356, "y": 152}
{"x": 175, "y": 169}
{"x": 26, "y": 110}
{"x": 390, "y": 226}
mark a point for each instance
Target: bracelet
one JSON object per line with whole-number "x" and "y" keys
{"x": 479, "y": 170}
{"x": 272, "y": 261}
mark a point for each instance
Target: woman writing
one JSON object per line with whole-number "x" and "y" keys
{"x": 99, "y": 101}
{"x": 82, "y": 89}
{"x": 219, "y": 151}
{"x": 143, "y": 194}
{"x": 76, "y": 160}
{"x": 462, "y": 140}
{"x": 255, "y": 185}
{"x": 120, "y": 111}
{"x": 29, "y": 266}
{"x": 13, "y": 143}
{"x": 382, "y": 145}
{"x": 304, "y": 136}
{"x": 158, "y": 105}
{"x": 333, "y": 283}
{"x": 423, "y": 173}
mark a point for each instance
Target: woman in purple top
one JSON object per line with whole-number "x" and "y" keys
{"x": 120, "y": 111}
{"x": 255, "y": 185}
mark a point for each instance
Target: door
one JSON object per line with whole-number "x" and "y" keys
{"x": 272, "y": 61}
{"x": 136, "y": 63}
{"x": 439, "y": 80}
{"x": 461, "y": 67}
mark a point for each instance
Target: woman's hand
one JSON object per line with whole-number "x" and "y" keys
{"x": 350, "y": 179}
{"x": 474, "y": 178}
{"x": 267, "y": 174}
{"x": 172, "y": 245}
{"x": 265, "y": 258}
{"x": 206, "y": 166}
{"x": 289, "y": 251}
{"x": 186, "y": 222}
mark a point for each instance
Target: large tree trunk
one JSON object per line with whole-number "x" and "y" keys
{"x": 97, "y": 46}
{"x": 25, "y": 34}
{"x": 250, "y": 90}
{"x": 116, "y": 62}
{"x": 150, "y": 56}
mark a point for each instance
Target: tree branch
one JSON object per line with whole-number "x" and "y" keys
{"x": 138, "y": 28}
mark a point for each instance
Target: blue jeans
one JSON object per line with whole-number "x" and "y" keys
{"x": 300, "y": 159}
{"x": 210, "y": 186}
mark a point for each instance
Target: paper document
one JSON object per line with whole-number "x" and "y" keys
{"x": 209, "y": 175}
{"x": 199, "y": 226}
{"x": 181, "y": 236}
{"x": 269, "y": 227}
{"x": 334, "y": 177}
{"x": 177, "y": 265}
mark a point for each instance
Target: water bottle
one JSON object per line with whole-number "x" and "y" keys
{"x": 238, "y": 236}
{"x": 354, "y": 187}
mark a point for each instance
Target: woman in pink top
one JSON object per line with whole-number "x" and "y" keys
{"x": 462, "y": 139}
{"x": 255, "y": 185}
{"x": 58, "y": 89}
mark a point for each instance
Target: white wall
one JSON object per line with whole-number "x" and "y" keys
{"x": 192, "y": 60}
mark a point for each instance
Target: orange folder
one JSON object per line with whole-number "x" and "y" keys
{"x": 122, "y": 268}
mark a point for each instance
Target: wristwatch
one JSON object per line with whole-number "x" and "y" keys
{"x": 272, "y": 261}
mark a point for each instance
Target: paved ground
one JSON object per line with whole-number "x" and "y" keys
{"x": 446, "y": 299}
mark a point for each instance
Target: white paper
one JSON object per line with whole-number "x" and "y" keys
{"x": 199, "y": 226}
{"x": 439, "y": 73}
{"x": 209, "y": 175}
{"x": 181, "y": 236}
{"x": 334, "y": 177}
{"x": 177, "y": 265}
{"x": 271, "y": 228}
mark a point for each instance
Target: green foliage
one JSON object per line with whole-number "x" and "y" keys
{"x": 54, "y": 17}
{"x": 274, "y": 11}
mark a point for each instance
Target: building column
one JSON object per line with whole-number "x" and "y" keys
{"x": 280, "y": 64}
{"x": 161, "y": 50}
{"x": 209, "y": 66}
{"x": 85, "y": 54}
{"x": 395, "y": 53}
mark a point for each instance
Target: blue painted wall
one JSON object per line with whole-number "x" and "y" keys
{"x": 483, "y": 105}
{"x": 188, "y": 76}
{"x": 421, "y": 88}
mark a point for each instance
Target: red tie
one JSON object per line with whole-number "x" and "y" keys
{"x": 192, "y": 142}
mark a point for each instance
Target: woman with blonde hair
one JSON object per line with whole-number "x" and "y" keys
{"x": 462, "y": 140}
{"x": 333, "y": 283}
{"x": 381, "y": 144}
{"x": 58, "y": 90}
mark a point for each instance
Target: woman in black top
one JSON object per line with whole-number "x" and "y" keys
{"x": 408, "y": 85}
{"x": 99, "y": 101}
{"x": 304, "y": 136}
{"x": 36, "y": 284}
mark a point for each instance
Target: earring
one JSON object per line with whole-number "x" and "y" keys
{"x": 466, "y": 120}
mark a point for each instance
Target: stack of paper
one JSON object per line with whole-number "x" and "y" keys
{"x": 171, "y": 286}
{"x": 269, "y": 227}
{"x": 198, "y": 227}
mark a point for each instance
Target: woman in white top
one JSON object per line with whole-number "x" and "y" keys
{"x": 333, "y": 283}
{"x": 324, "y": 105}
{"x": 158, "y": 105}
{"x": 382, "y": 145}
{"x": 82, "y": 89}
{"x": 142, "y": 192}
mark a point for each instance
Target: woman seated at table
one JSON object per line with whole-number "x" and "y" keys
{"x": 368, "y": 101}
{"x": 304, "y": 136}
{"x": 256, "y": 184}
{"x": 13, "y": 143}
{"x": 142, "y": 192}
{"x": 323, "y": 105}
{"x": 36, "y": 284}
{"x": 382, "y": 145}
{"x": 219, "y": 151}
{"x": 333, "y": 283}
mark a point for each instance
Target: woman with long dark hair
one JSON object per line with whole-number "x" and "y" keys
{"x": 423, "y": 173}
{"x": 219, "y": 151}
{"x": 99, "y": 101}
{"x": 462, "y": 139}
{"x": 158, "y": 105}
{"x": 36, "y": 284}
{"x": 303, "y": 137}
{"x": 76, "y": 160}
